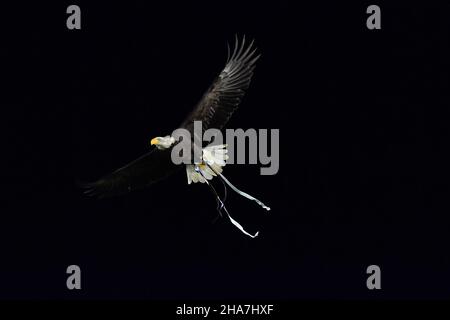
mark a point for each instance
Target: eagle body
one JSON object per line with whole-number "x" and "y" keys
{"x": 214, "y": 110}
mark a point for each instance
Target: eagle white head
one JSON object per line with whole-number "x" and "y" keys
{"x": 163, "y": 142}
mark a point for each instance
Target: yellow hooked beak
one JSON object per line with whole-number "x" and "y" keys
{"x": 154, "y": 141}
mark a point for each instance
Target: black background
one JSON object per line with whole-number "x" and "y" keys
{"x": 364, "y": 179}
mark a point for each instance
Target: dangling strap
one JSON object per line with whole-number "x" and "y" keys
{"x": 242, "y": 193}
{"x": 221, "y": 205}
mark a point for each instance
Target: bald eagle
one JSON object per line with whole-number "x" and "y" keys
{"x": 214, "y": 110}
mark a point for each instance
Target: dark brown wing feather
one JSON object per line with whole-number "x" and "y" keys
{"x": 138, "y": 174}
{"x": 224, "y": 95}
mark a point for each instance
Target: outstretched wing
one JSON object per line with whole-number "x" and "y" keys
{"x": 147, "y": 169}
{"x": 224, "y": 95}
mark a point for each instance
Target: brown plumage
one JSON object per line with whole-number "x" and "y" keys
{"x": 227, "y": 90}
{"x": 214, "y": 110}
